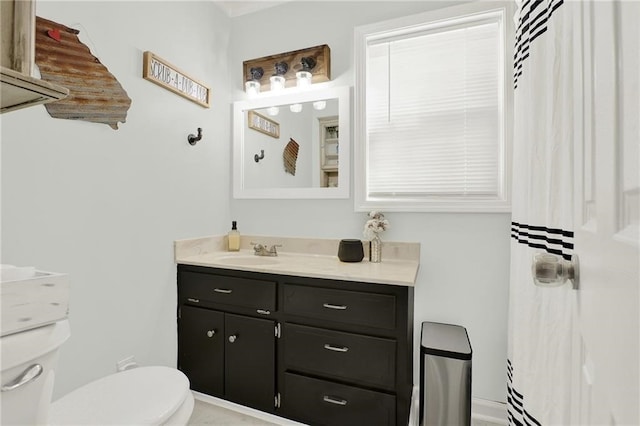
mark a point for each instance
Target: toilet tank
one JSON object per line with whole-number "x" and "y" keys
{"x": 26, "y": 401}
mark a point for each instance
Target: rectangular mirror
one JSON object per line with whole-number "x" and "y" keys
{"x": 294, "y": 145}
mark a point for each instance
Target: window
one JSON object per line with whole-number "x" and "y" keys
{"x": 430, "y": 112}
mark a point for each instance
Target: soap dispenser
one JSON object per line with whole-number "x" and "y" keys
{"x": 234, "y": 238}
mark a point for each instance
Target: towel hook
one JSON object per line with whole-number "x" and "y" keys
{"x": 259, "y": 157}
{"x": 193, "y": 139}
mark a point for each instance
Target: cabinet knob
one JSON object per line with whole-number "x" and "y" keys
{"x": 233, "y": 338}
{"x": 210, "y": 333}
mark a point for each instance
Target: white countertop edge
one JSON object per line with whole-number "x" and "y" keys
{"x": 390, "y": 272}
{"x": 391, "y": 250}
{"x": 305, "y": 257}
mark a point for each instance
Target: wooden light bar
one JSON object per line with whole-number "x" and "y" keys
{"x": 320, "y": 72}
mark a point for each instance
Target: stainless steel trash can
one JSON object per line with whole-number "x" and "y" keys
{"x": 445, "y": 375}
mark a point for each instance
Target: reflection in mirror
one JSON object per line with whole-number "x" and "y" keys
{"x": 292, "y": 146}
{"x": 313, "y": 130}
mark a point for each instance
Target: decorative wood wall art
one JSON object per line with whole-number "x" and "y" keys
{"x": 162, "y": 73}
{"x": 321, "y": 71}
{"x": 95, "y": 95}
{"x": 262, "y": 124}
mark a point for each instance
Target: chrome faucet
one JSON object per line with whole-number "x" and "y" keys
{"x": 261, "y": 250}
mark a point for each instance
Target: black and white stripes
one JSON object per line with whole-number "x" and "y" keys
{"x": 516, "y": 413}
{"x": 532, "y": 22}
{"x": 552, "y": 240}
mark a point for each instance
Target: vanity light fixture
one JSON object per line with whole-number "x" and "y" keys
{"x": 295, "y": 107}
{"x": 304, "y": 77}
{"x": 297, "y": 68}
{"x": 319, "y": 105}
{"x": 273, "y": 111}
{"x": 252, "y": 87}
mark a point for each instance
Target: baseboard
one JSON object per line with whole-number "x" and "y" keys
{"x": 271, "y": 418}
{"x": 489, "y": 411}
{"x": 481, "y": 410}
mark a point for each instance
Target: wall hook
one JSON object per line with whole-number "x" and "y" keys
{"x": 259, "y": 157}
{"x": 193, "y": 139}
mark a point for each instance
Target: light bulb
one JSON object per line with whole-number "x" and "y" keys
{"x": 252, "y": 88}
{"x": 272, "y": 111}
{"x": 277, "y": 82}
{"x": 295, "y": 107}
{"x": 303, "y": 79}
{"x": 319, "y": 105}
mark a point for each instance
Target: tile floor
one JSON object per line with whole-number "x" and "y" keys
{"x": 209, "y": 414}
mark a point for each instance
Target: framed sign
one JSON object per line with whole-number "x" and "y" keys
{"x": 162, "y": 73}
{"x": 262, "y": 124}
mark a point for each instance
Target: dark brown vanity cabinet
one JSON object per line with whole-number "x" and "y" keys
{"x": 347, "y": 353}
{"x": 228, "y": 353}
{"x": 327, "y": 352}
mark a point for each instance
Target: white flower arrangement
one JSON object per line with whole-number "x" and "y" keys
{"x": 375, "y": 225}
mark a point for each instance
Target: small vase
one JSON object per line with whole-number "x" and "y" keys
{"x": 375, "y": 250}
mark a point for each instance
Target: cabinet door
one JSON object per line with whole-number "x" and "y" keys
{"x": 250, "y": 361}
{"x": 201, "y": 348}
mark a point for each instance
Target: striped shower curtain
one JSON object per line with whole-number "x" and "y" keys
{"x": 539, "y": 351}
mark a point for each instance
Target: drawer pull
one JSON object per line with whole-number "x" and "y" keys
{"x": 336, "y": 348}
{"x": 193, "y": 300}
{"x": 263, "y": 312}
{"x": 210, "y": 333}
{"x": 222, "y": 290}
{"x": 337, "y": 307}
{"x": 333, "y": 400}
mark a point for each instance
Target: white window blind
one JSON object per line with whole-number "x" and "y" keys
{"x": 434, "y": 105}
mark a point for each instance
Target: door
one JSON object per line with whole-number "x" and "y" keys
{"x": 201, "y": 348}
{"x": 607, "y": 196}
{"x": 250, "y": 359}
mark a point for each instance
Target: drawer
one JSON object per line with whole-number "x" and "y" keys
{"x": 320, "y": 402}
{"x": 343, "y": 356}
{"x": 344, "y": 306}
{"x": 244, "y": 292}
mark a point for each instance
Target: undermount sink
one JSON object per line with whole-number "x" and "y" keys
{"x": 248, "y": 260}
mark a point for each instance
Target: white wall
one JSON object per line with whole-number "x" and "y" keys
{"x": 106, "y": 205}
{"x": 464, "y": 270}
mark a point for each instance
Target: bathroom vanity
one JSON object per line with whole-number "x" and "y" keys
{"x": 302, "y": 336}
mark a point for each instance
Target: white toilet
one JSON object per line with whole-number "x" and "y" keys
{"x": 139, "y": 396}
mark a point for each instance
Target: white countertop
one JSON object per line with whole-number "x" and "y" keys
{"x": 400, "y": 267}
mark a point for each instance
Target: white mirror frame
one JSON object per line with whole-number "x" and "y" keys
{"x": 309, "y": 95}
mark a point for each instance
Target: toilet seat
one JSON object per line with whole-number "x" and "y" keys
{"x": 140, "y": 396}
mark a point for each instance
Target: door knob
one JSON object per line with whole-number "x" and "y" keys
{"x": 233, "y": 338}
{"x": 210, "y": 333}
{"x": 552, "y": 271}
